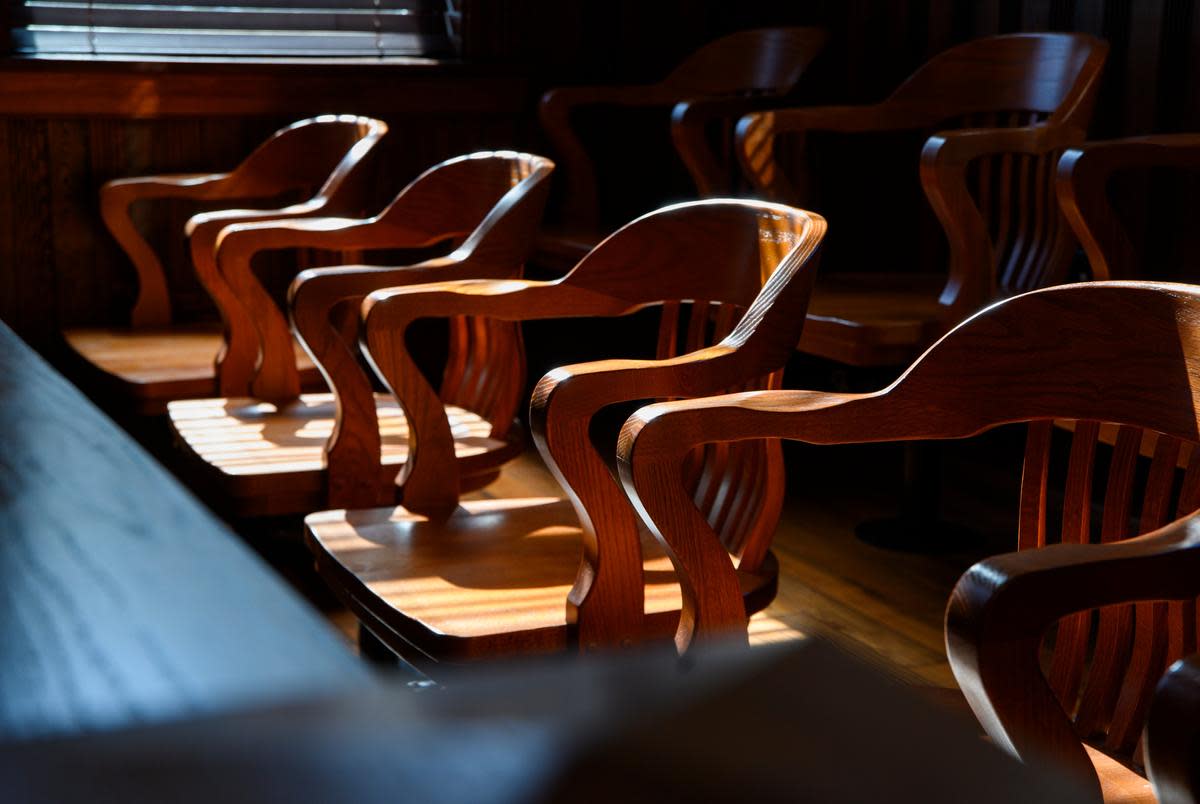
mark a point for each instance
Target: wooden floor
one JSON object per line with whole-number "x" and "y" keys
{"x": 883, "y": 605}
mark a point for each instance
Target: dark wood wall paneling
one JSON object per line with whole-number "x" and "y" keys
{"x": 66, "y": 129}
{"x": 1152, "y": 81}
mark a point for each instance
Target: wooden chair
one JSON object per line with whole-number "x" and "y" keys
{"x": 283, "y": 452}
{"x": 455, "y": 580}
{"x": 1009, "y": 105}
{"x": 1114, "y": 355}
{"x": 1083, "y": 178}
{"x": 157, "y": 359}
{"x": 710, "y": 89}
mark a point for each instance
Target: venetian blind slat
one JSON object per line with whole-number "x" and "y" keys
{"x": 235, "y": 27}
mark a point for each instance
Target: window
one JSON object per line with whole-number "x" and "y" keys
{"x": 235, "y": 28}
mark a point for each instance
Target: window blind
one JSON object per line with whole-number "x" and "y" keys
{"x": 241, "y": 28}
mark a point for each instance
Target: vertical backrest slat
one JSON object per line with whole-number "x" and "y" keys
{"x": 1031, "y": 528}
{"x": 1114, "y": 626}
{"x": 1035, "y": 201}
{"x": 1071, "y": 640}
{"x": 1150, "y": 619}
{"x": 668, "y": 331}
{"x": 697, "y": 328}
{"x": 1181, "y": 616}
{"x": 745, "y": 469}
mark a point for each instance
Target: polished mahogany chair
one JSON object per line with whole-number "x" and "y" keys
{"x": 280, "y": 451}
{"x": 1084, "y": 176}
{"x": 1004, "y": 109}
{"x": 453, "y": 580}
{"x": 705, "y": 94}
{"x": 157, "y": 359}
{"x": 1115, "y": 356}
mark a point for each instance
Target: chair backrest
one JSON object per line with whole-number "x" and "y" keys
{"x": 1119, "y": 362}
{"x": 1083, "y": 193}
{"x": 999, "y": 215}
{"x": 762, "y": 60}
{"x": 706, "y": 264}
{"x": 1012, "y": 81}
{"x": 1116, "y": 361}
{"x": 501, "y": 195}
{"x": 1039, "y": 75}
{"x": 450, "y": 200}
{"x": 765, "y": 61}
{"x": 313, "y": 155}
{"x": 315, "y": 158}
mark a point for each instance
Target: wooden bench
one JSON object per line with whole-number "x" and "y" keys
{"x": 125, "y": 602}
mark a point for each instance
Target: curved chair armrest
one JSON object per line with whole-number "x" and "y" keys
{"x": 1002, "y": 607}
{"x": 689, "y": 120}
{"x": 757, "y": 132}
{"x": 260, "y": 359}
{"x": 153, "y": 306}
{"x": 355, "y": 444}
{"x": 651, "y": 451}
{"x": 429, "y": 476}
{"x": 944, "y": 161}
{"x": 203, "y": 231}
{"x": 1172, "y": 737}
{"x": 956, "y": 148}
{"x": 608, "y": 593}
{"x": 1082, "y": 185}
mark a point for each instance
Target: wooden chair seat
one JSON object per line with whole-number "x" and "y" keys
{"x": 268, "y": 460}
{"x": 155, "y": 365}
{"x": 873, "y": 319}
{"x": 490, "y": 580}
{"x": 1119, "y": 784}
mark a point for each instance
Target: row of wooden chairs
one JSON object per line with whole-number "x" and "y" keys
{"x": 677, "y": 540}
{"x": 1000, "y": 110}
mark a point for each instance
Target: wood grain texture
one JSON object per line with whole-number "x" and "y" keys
{"x": 490, "y": 580}
{"x": 148, "y": 367}
{"x": 1003, "y": 108}
{"x": 312, "y": 155}
{"x": 494, "y": 197}
{"x": 272, "y": 460}
{"x": 1116, "y": 346}
{"x": 193, "y": 88}
{"x": 735, "y": 256}
{"x": 1083, "y": 192}
{"x": 448, "y": 201}
{"x": 316, "y": 158}
{"x": 119, "y": 589}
